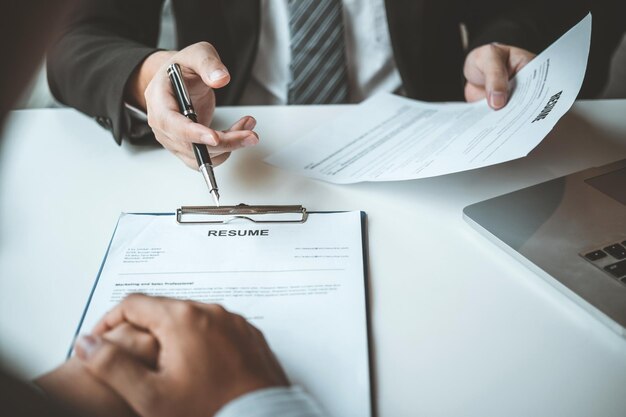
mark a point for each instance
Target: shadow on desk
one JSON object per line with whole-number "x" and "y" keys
{"x": 147, "y": 143}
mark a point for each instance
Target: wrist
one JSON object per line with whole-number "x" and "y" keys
{"x": 141, "y": 77}
{"x": 71, "y": 386}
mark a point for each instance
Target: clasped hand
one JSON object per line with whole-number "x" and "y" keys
{"x": 154, "y": 356}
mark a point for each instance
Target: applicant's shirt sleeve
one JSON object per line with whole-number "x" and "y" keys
{"x": 273, "y": 402}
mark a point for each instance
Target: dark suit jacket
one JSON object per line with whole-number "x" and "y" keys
{"x": 90, "y": 65}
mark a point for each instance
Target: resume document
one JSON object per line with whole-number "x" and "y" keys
{"x": 303, "y": 285}
{"x": 390, "y": 138}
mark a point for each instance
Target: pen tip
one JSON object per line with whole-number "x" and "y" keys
{"x": 216, "y": 197}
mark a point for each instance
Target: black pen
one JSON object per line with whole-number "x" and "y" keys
{"x": 186, "y": 108}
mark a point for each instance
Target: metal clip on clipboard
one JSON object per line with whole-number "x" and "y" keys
{"x": 255, "y": 214}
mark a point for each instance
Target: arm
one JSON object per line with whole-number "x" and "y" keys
{"x": 71, "y": 386}
{"x": 104, "y": 43}
{"x": 502, "y": 39}
{"x": 108, "y": 57}
{"x": 210, "y": 362}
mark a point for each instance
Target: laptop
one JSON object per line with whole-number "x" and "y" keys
{"x": 572, "y": 232}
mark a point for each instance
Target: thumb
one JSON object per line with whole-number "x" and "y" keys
{"x": 203, "y": 59}
{"x": 495, "y": 70}
{"x": 116, "y": 368}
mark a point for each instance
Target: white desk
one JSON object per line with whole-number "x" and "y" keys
{"x": 459, "y": 328}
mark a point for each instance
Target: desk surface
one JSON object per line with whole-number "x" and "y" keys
{"x": 459, "y": 328}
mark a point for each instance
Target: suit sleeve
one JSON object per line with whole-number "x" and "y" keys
{"x": 90, "y": 64}
{"x": 523, "y": 24}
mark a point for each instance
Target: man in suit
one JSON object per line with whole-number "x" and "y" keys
{"x": 285, "y": 52}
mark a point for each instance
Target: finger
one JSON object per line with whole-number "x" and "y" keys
{"x": 518, "y": 59}
{"x": 118, "y": 369}
{"x": 486, "y": 68}
{"x": 474, "y": 92}
{"x": 142, "y": 311}
{"x": 178, "y": 127}
{"x": 275, "y": 367}
{"x": 219, "y": 155}
{"x": 181, "y": 150}
{"x": 212, "y": 308}
{"x": 496, "y": 73}
{"x": 178, "y": 148}
{"x": 164, "y": 115}
{"x": 229, "y": 141}
{"x": 245, "y": 123}
{"x": 173, "y": 145}
{"x": 137, "y": 342}
{"x": 203, "y": 59}
{"x": 220, "y": 159}
{"x": 185, "y": 153}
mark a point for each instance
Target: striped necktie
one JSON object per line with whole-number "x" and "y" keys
{"x": 318, "y": 65}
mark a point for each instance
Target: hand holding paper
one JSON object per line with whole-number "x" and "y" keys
{"x": 488, "y": 70}
{"x": 391, "y": 138}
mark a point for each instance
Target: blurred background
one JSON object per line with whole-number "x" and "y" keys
{"x": 38, "y": 95}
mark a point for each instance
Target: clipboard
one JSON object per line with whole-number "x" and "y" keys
{"x": 136, "y": 275}
{"x": 227, "y": 214}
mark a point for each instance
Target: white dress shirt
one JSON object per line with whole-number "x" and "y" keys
{"x": 273, "y": 402}
{"x": 369, "y": 56}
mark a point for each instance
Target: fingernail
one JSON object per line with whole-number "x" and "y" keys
{"x": 250, "y": 141}
{"x": 217, "y": 75}
{"x": 208, "y": 139}
{"x": 250, "y": 123}
{"x": 497, "y": 99}
{"x": 86, "y": 346}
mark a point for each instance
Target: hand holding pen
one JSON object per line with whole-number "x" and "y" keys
{"x": 239, "y": 135}
{"x": 173, "y": 130}
{"x": 205, "y": 165}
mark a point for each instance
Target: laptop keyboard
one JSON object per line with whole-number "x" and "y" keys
{"x": 611, "y": 259}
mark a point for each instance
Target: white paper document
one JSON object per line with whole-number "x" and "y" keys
{"x": 390, "y": 138}
{"x": 303, "y": 285}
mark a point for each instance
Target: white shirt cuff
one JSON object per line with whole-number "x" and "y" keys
{"x": 273, "y": 402}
